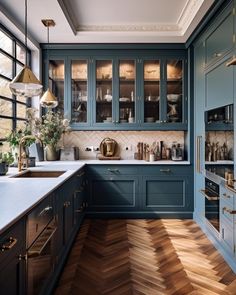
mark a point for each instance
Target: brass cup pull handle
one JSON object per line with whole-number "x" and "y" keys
{"x": 112, "y": 170}
{"x": 9, "y": 245}
{"x": 165, "y": 170}
{"x": 229, "y": 210}
{"x": 203, "y": 192}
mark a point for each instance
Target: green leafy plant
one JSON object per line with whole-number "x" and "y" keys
{"x": 15, "y": 136}
{"x": 6, "y": 157}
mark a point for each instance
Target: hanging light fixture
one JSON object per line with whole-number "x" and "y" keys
{"x": 48, "y": 100}
{"x": 25, "y": 83}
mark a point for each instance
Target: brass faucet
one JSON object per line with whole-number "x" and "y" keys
{"x": 22, "y": 156}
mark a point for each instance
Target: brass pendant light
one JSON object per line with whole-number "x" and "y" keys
{"x": 25, "y": 83}
{"x": 48, "y": 100}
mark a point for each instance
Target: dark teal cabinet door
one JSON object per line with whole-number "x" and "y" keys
{"x": 12, "y": 262}
{"x": 166, "y": 193}
{"x": 12, "y": 277}
{"x": 220, "y": 41}
{"x": 113, "y": 193}
{"x": 199, "y": 126}
{"x": 219, "y": 86}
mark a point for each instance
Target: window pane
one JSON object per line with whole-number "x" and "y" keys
{"x": 5, "y": 66}
{"x": 22, "y": 99}
{"x": 20, "y": 110}
{"x": 18, "y": 68}
{"x": 20, "y": 125}
{"x": 5, "y": 108}
{"x": 20, "y": 54}
{"x": 4, "y": 88}
{"x": 5, "y": 43}
{"x": 5, "y": 127}
{"x": 5, "y": 147}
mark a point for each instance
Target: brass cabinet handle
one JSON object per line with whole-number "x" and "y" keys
{"x": 203, "y": 192}
{"x": 113, "y": 170}
{"x": 165, "y": 170}
{"x": 9, "y": 244}
{"x": 81, "y": 174}
{"x": 45, "y": 210}
{"x": 229, "y": 210}
{"x": 198, "y": 154}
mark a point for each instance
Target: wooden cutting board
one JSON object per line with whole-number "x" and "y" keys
{"x": 101, "y": 157}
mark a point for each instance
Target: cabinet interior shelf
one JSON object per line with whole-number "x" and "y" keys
{"x": 223, "y": 162}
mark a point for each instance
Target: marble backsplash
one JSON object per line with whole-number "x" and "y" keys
{"x": 83, "y": 139}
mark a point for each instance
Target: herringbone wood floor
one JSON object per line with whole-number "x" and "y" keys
{"x": 151, "y": 257}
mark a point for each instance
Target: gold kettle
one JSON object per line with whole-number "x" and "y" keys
{"x": 108, "y": 147}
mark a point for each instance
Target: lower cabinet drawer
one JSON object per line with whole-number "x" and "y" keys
{"x": 226, "y": 212}
{"x": 12, "y": 241}
{"x": 227, "y": 234}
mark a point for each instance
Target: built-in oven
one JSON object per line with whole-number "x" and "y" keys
{"x": 41, "y": 239}
{"x": 212, "y": 203}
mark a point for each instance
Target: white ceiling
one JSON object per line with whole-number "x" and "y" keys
{"x": 107, "y": 21}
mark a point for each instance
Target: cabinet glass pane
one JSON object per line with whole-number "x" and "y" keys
{"x": 127, "y": 81}
{"x": 151, "y": 75}
{"x": 104, "y": 91}
{"x": 57, "y": 82}
{"x": 174, "y": 90}
{"x": 79, "y": 86}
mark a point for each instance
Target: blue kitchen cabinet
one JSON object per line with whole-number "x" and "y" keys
{"x": 12, "y": 260}
{"x": 167, "y": 194}
{"x": 79, "y": 199}
{"x": 219, "y": 41}
{"x": 141, "y": 90}
{"x": 167, "y": 190}
{"x": 219, "y": 86}
{"x": 112, "y": 193}
{"x": 199, "y": 128}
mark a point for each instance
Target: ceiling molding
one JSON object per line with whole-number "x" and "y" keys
{"x": 69, "y": 16}
{"x": 130, "y": 28}
{"x": 188, "y": 13}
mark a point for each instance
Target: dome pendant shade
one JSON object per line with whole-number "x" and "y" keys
{"x": 48, "y": 100}
{"x": 26, "y": 84}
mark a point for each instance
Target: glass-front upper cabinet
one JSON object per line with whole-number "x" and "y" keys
{"x": 127, "y": 91}
{"x": 79, "y": 86}
{"x": 151, "y": 89}
{"x": 56, "y": 82}
{"x": 104, "y": 91}
{"x": 174, "y": 90}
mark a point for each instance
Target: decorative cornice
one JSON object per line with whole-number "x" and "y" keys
{"x": 130, "y": 28}
{"x": 188, "y": 13}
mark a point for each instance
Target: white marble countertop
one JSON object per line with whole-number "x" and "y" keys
{"x": 19, "y": 195}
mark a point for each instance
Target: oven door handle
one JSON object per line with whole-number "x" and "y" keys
{"x": 36, "y": 249}
{"x": 203, "y": 192}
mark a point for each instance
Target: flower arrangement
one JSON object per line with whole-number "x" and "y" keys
{"x": 52, "y": 127}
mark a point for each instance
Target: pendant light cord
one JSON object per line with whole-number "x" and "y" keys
{"x": 26, "y": 32}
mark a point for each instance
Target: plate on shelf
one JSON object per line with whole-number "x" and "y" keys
{"x": 122, "y": 99}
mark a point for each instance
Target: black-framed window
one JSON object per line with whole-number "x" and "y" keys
{"x": 12, "y": 59}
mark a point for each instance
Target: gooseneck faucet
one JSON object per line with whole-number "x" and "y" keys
{"x": 22, "y": 156}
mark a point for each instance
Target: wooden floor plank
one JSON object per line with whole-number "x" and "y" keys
{"x": 144, "y": 257}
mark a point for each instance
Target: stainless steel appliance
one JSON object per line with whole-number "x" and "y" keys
{"x": 41, "y": 231}
{"x": 212, "y": 200}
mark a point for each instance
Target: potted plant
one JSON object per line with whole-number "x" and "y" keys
{"x": 14, "y": 139}
{"x": 6, "y": 158}
{"x": 51, "y": 129}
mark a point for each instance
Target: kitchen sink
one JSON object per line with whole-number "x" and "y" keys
{"x": 39, "y": 174}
